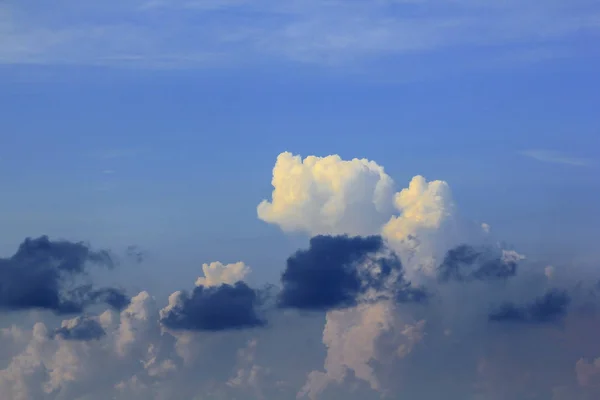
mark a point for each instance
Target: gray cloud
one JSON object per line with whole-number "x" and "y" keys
{"x": 42, "y": 275}
{"x": 467, "y": 263}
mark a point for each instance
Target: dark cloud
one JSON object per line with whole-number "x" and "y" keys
{"x": 215, "y": 308}
{"x": 467, "y": 263}
{"x": 42, "y": 275}
{"x": 327, "y": 275}
{"x": 82, "y": 329}
{"x": 550, "y": 307}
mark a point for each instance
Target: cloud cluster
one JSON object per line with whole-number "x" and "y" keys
{"x": 407, "y": 299}
{"x": 43, "y": 274}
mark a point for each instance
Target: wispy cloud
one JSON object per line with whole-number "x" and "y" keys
{"x": 557, "y": 158}
{"x": 200, "y": 33}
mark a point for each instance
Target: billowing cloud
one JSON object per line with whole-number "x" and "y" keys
{"x": 220, "y": 301}
{"x": 331, "y": 196}
{"x": 40, "y": 275}
{"x": 337, "y": 271}
{"x": 217, "y": 273}
{"x": 357, "y": 339}
{"x": 423, "y": 206}
{"x": 214, "y": 308}
{"x": 328, "y": 195}
{"x": 427, "y": 226}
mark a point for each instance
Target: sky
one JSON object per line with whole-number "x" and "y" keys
{"x": 226, "y": 199}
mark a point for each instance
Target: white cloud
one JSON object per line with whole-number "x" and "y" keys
{"x": 328, "y": 195}
{"x": 217, "y": 273}
{"x": 136, "y": 320}
{"x": 423, "y": 205}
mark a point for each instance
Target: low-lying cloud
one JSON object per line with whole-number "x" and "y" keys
{"x": 395, "y": 295}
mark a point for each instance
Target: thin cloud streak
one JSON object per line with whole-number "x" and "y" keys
{"x": 556, "y": 157}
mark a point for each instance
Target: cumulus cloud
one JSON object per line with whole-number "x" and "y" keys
{"x": 423, "y": 205}
{"x": 217, "y": 273}
{"x": 357, "y": 339}
{"x": 220, "y": 301}
{"x": 331, "y": 196}
{"x": 427, "y": 226}
{"x": 328, "y": 195}
{"x": 214, "y": 308}
{"x": 339, "y": 271}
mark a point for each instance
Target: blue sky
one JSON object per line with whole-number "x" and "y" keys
{"x": 158, "y": 123}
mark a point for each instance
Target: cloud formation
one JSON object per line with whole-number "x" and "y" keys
{"x": 41, "y": 274}
{"x": 328, "y": 195}
{"x": 495, "y": 325}
{"x": 213, "y": 308}
{"x": 217, "y": 273}
{"x": 340, "y": 271}
{"x": 466, "y": 263}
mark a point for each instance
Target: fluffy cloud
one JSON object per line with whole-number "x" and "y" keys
{"x": 340, "y": 271}
{"x": 423, "y": 206}
{"x": 331, "y": 196}
{"x": 328, "y": 195}
{"x": 358, "y": 338}
{"x": 217, "y": 273}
